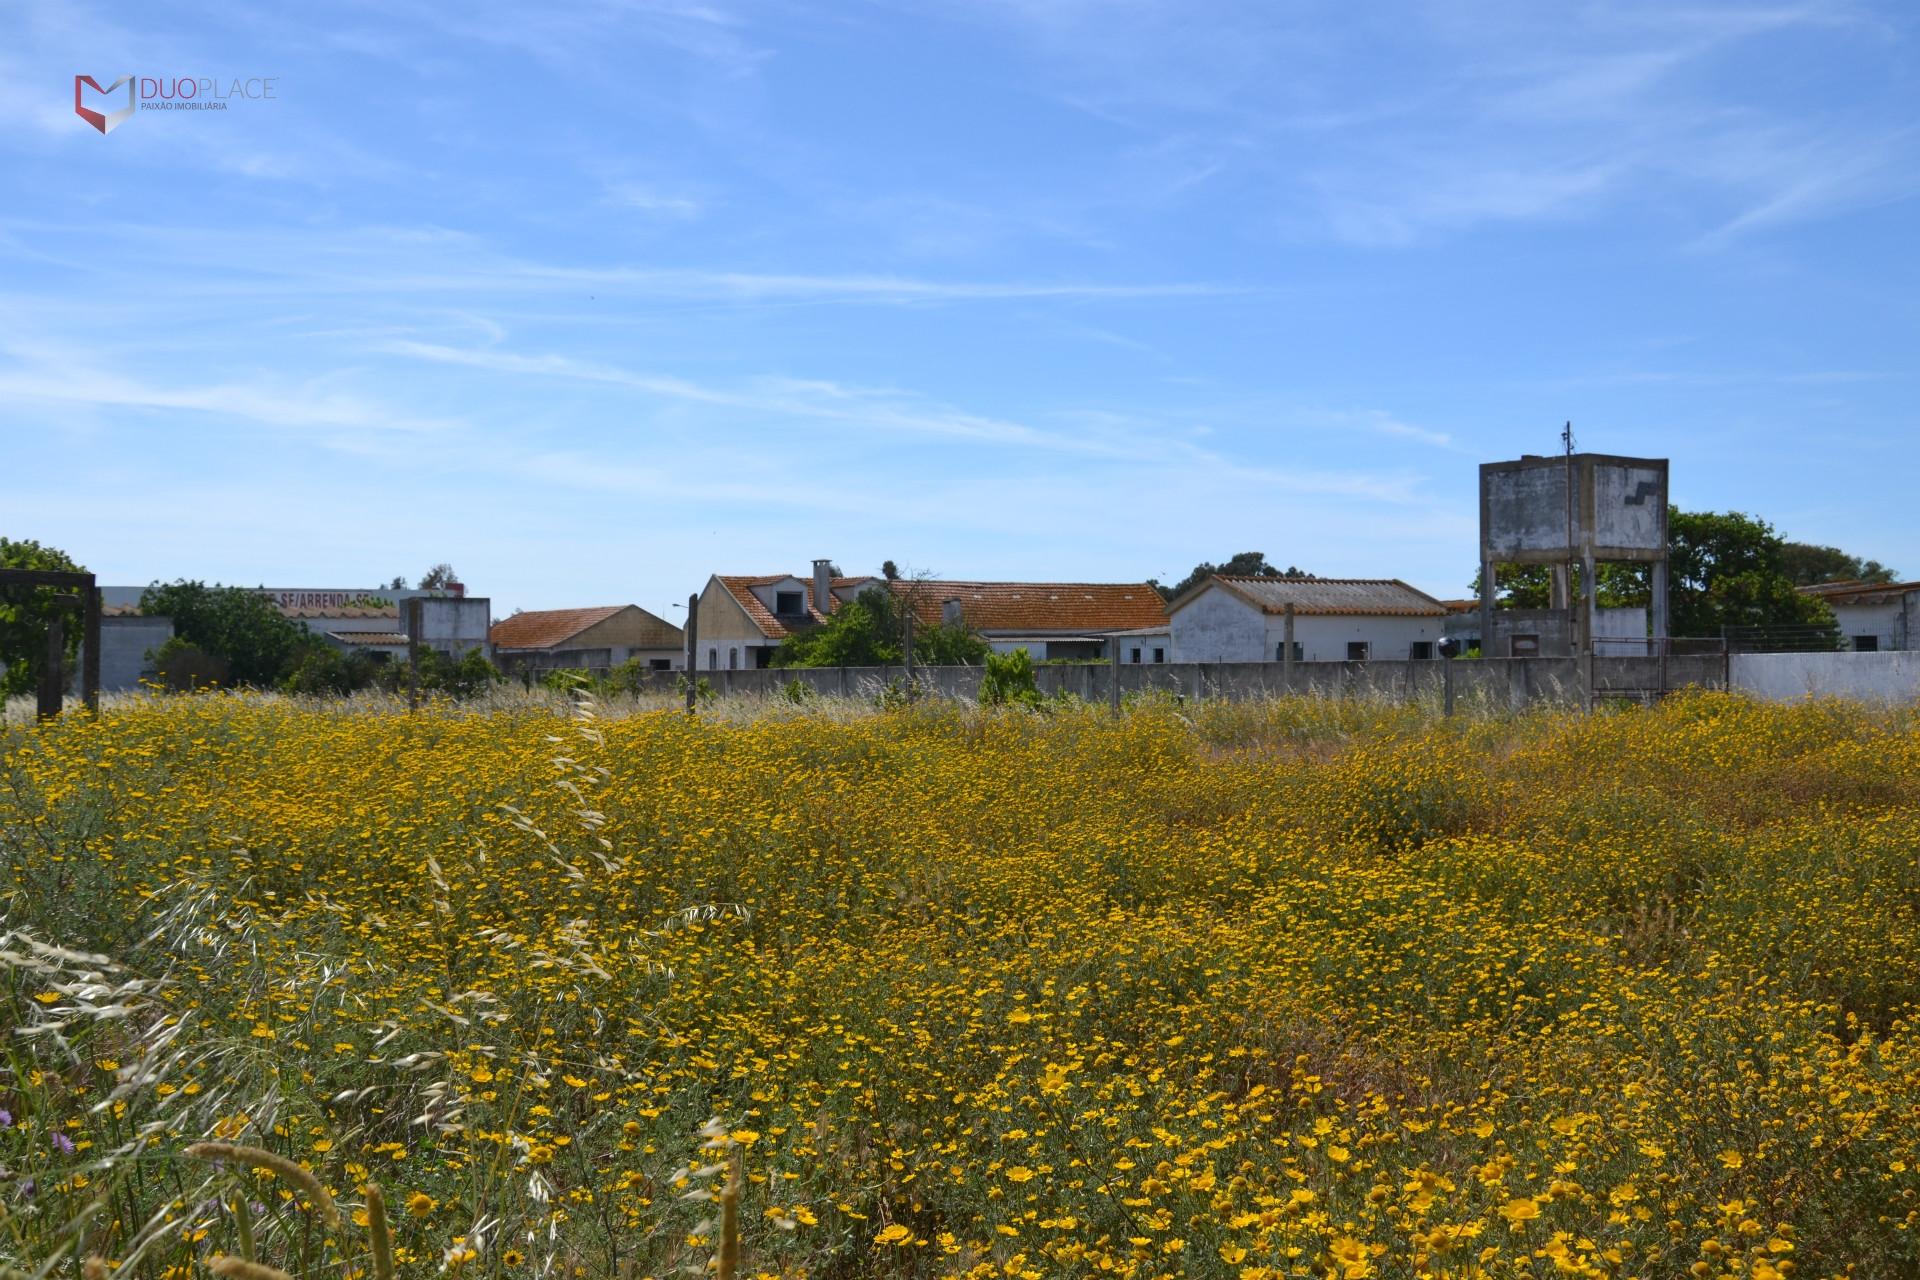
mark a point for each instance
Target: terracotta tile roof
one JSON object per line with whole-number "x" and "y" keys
{"x": 1856, "y": 592}
{"x": 1037, "y": 607}
{"x": 376, "y": 639}
{"x": 1370, "y": 597}
{"x": 740, "y": 588}
{"x": 547, "y": 628}
{"x": 390, "y": 611}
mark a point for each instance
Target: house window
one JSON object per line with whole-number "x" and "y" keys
{"x": 1421, "y": 651}
{"x": 1280, "y": 652}
{"x": 1136, "y": 653}
{"x": 733, "y": 659}
{"x": 1159, "y": 655}
{"x": 1356, "y": 651}
{"x": 659, "y": 664}
{"x": 1866, "y": 644}
{"x": 1526, "y": 646}
{"x": 788, "y": 602}
{"x": 713, "y": 659}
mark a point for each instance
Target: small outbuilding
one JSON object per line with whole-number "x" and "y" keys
{"x": 596, "y": 639}
{"x": 1873, "y": 616}
{"x": 1243, "y": 619}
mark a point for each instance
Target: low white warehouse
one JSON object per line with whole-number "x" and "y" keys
{"x": 1234, "y": 619}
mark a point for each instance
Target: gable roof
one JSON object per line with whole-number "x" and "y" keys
{"x": 740, "y": 587}
{"x": 1036, "y": 607}
{"x": 1351, "y": 597}
{"x": 1853, "y": 591}
{"x": 547, "y": 628}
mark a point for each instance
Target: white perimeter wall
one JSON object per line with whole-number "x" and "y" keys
{"x": 1784, "y": 677}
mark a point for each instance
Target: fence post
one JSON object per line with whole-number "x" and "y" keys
{"x": 1446, "y": 678}
{"x": 413, "y": 654}
{"x": 1113, "y": 692}
{"x": 693, "y": 649}
{"x": 90, "y": 650}
{"x": 52, "y": 669}
{"x": 1286, "y": 647}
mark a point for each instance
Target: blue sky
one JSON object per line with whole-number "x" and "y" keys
{"x": 595, "y": 299}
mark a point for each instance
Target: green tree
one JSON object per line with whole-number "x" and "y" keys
{"x": 1530, "y": 586}
{"x": 25, "y": 613}
{"x": 870, "y": 631}
{"x": 259, "y": 645}
{"x": 862, "y": 632}
{"x": 438, "y": 578}
{"x": 1729, "y": 569}
{"x": 1807, "y": 565}
{"x": 1242, "y": 564}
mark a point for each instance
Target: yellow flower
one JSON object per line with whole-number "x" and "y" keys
{"x": 895, "y": 1234}
{"x": 421, "y": 1205}
{"x": 1519, "y": 1211}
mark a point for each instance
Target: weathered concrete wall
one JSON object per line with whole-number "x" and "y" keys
{"x": 1629, "y": 506}
{"x": 595, "y": 660}
{"x": 124, "y": 645}
{"x": 455, "y": 626}
{"x": 1785, "y": 677}
{"x": 1217, "y": 626}
{"x": 1551, "y": 627}
{"x": 1513, "y": 682}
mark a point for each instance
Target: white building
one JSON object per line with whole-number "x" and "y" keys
{"x": 743, "y": 618}
{"x": 1236, "y": 619}
{"x": 1873, "y": 615}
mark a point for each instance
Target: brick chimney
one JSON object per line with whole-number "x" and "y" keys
{"x": 823, "y": 587}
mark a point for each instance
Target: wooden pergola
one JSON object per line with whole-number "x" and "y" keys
{"x": 85, "y": 598}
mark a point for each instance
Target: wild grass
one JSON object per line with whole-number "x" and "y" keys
{"x": 1296, "y": 987}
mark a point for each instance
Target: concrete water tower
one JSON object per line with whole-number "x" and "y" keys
{"x": 1584, "y": 509}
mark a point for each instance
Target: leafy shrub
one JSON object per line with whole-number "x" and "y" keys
{"x": 1008, "y": 681}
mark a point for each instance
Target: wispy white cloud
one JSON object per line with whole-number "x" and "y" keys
{"x": 871, "y": 410}
{"x": 653, "y": 201}
{"x": 46, "y": 376}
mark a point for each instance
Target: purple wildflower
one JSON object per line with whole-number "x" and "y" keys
{"x": 63, "y": 1144}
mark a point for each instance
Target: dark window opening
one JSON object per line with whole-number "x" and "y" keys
{"x": 1866, "y": 644}
{"x": 1280, "y": 652}
{"x": 1136, "y": 653}
{"x": 1357, "y": 650}
{"x": 1159, "y": 655}
{"x": 659, "y": 664}
{"x": 713, "y": 659}
{"x": 1526, "y": 646}
{"x": 1421, "y": 651}
{"x": 733, "y": 659}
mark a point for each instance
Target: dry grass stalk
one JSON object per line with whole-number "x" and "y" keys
{"x": 378, "y": 1235}
{"x": 229, "y": 1267}
{"x": 257, "y": 1157}
{"x": 729, "y": 1260}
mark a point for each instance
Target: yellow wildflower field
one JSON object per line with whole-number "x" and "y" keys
{"x": 1295, "y": 988}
